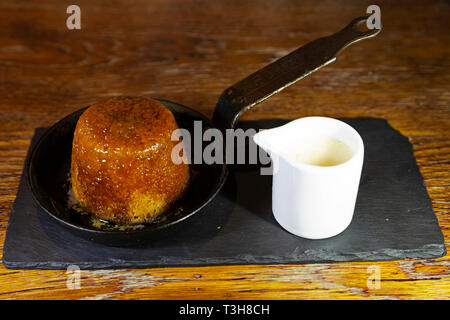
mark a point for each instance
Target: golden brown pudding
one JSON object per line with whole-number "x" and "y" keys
{"x": 121, "y": 168}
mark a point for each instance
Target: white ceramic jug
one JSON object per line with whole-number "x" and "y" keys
{"x": 308, "y": 200}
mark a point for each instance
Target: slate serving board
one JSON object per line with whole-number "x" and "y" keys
{"x": 393, "y": 220}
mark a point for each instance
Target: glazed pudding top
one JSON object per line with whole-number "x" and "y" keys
{"x": 133, "y": 124}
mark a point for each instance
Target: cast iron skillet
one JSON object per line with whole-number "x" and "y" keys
{"x": 49, "y": 164}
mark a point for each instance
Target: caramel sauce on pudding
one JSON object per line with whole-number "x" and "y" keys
{"x": 121, "y": 167}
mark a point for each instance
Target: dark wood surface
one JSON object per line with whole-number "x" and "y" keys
{"x": 189, "y": 52}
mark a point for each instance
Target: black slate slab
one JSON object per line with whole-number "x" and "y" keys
{"x": 393, "y": 220}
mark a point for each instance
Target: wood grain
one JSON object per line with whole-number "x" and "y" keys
{"x": 189, "y": 51}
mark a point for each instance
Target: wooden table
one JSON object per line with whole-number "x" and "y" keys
{"x": 189, "y": 51}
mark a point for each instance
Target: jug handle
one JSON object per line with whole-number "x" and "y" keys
{"x": 285, "y": 71}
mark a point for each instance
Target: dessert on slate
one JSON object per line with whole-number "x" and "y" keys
{"x": 121, "y": 167}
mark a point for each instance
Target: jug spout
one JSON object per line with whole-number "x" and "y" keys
{"x": 268, "y": 140}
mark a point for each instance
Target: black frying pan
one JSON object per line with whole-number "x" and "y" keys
{"x": 49, "y": 164}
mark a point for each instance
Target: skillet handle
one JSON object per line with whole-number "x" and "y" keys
{"x": 287, "y": 70}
